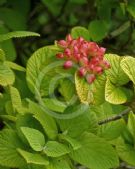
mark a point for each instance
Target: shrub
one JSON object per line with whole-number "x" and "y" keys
{"x": 56, "y": 118}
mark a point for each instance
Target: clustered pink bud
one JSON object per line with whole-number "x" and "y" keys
{"x": 68, "y": 64}
{"x": 88, "y": 55}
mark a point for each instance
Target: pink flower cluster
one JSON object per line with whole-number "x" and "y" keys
{"x": 88, "y": 55}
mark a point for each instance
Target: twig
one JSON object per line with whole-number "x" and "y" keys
{"x": 117, "y": 117}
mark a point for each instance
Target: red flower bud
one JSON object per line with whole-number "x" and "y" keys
{"x": 100, "y": 53}
{"x": 84, "y": 61}
{"x": 106, "y": 64}
{"x": 80, "y": 39}
{"x": 59, "y": 55}
{"x": 67, "y": 52}
{"x": 82, "y": 71}
{"x": 77, "y": 57}
{"x": 62, "y": 43}
{"x": 69, "y": 38}
{"x": 98, "y": 69}
{"x": 95, "y": 60}
{"x": 88, "y": 55}
{"x": 102, "y": 50}
{"x": 73, "y": 43}
{"x": 68, "y": 64}
{"x": 75, "y": 50}
{"x": 90, "y": 78}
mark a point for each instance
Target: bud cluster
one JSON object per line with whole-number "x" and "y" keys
{"x": 88, "y": 55}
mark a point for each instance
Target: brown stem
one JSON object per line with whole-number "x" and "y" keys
{"x": 117, "y": 117}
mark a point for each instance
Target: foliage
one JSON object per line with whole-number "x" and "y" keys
{"x": 53, "y": 118}
{"x": 37, "y": 135}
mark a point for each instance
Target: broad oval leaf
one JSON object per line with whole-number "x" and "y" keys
{"x": 116, "y": 74}
{"x": 2, "y": 55}
{"x": 15, "y": 98}
{"x": 98, "y": 29}
{"x": 74, "y": 126}
{"x": 17, "y": 34}
{"x": 128, "y": 66}
{"x": 115, "y": 94}
{"x": 74, "y": 143}
{"x": 39, "y": 71}
{"x": 91, "y": 93}
{"x": 131, "y": 124}
{"x": 95, "y": 153}
{"x": 112, "y": 130}
{"x": 47, "y": 122}
{"x": 83, "y": 90}
{"x": 9, "y": 142}
{"x": 58, "y": 163}
{"x": 7, "y": 76}
{"x": 32, "y": 158}
{"x": 14, "y": 66}
{"x": 80, "y": 31}
{"x": 55, "y": 149}
{"x": 34, "y": 137}
{"x": 125, "y": 151}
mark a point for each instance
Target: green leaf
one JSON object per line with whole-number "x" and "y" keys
{"x": 13, "y": 19}
{"x": 67, "y": 89}
{"x": 98, "y": 30}
{"x": 131, "y": 124}
{"x": 74, "y": 143}
{"x": 84, "y": 120}
{"x": 21, "y": 85}
{"x": 53, "y": 6}
{"x": 54, "y": 104}
{"x": 107, "y": 110}
{"x": 17, "y": 34}
{"x": 14, "y": 66}
{"x": 15, "y": 99}
{"x": 115, "y": 94}
{"x": 81, "y": 2}
{"x": 39, "y": 69}
{"x": 95, "y": 153}
{"x": 121, "y": 29}
{"x": 55, "y": 149}
{"x": 8, "y": 117}
{"x": 83, "y": 90}
{"x": 98, "y": 90}
{"x": 112, "y": 130}
{"x": 9, "y": 142}
{"x": 127, "y": 136}
{"x": 58, "y": 164}
{"x": 35, "y": 138}
{"x": 127, "y": 65}
{"x": 6, "y": 75}
{"x": 1, "y": 167}
{"x": 131, "y": 8}
{"x": 9, "y": 108}
{"x": 7, "y": 46}
{"x": 47, "y": 122}
{"x": 116, "y": 74}
{"x": 80, "y": 31}
{"x": 2, "y": 55}
{"x": 91, "y": 94}
{"x": 32, "y": 158}
{"x": 26, "y": 120}
{"x": 125, "y": 151}
{"x": 22, "y": 7}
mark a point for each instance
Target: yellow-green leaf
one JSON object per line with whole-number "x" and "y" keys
{"x": 116, "y": 74}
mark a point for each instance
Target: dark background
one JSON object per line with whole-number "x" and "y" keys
{"x": 110, "y": 23}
